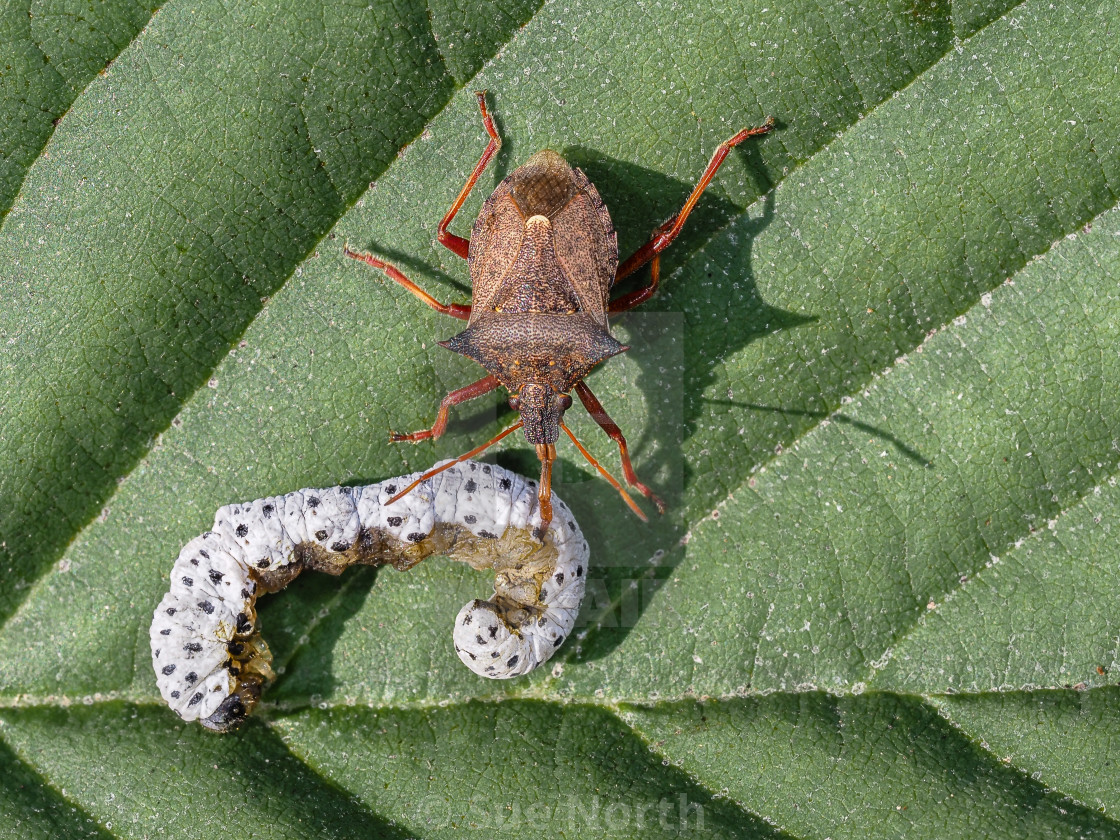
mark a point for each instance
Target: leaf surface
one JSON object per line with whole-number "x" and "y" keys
{"x": 878, "y": 388}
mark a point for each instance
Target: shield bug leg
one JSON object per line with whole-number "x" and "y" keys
{"x": 603, "y": 472}
{"x": 626, "y": 302}
{"x": 458, "y": 244}
{"x": 475, "y": 389}
{"x": 600, "y": 416}
{"x": 464, "y": 457}
{"x": 664, "y": 235}
{"x": 455, "y": 310}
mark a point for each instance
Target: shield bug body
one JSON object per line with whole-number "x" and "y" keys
{"x": 543, "y": 257}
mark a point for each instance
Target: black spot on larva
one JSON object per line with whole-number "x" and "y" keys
{"x": 320, "y": 535}
{"x": 242, "y": 530}
{"x": 171, "y": 611}
{"x": 486, "y": 535}
{"x": 542, "y": 621}
{"x": 473, "y": 466}
{"x": 495, "y": 654}
{"x": 188, "y": 581}
{"x": 204, "y": 554}
{"x": 471, "y": 655}
{"x": 486, "y": 469}
{"x": 244, "y": 625}
{"x": 192, "y": 647}
{"x": 194, "y": 701}
{"x": 480, "y": 640}
{"x": 467, "y": 619}
{"x": 415, "y": 537}
{"x": 235, "y": 648}
{"x": 233, "y": 667}
{"x": 194, "y": 561}
{"x": 491, "y": 670}
{"x": 246, "y": 593}
{"x": 394, "y": 521}
{"x": 340, "y": 546}
{"x": 191, "y": 678}
{"x": 559, "y": 641}
{"x": 505, "y": 484}
{"x": 470, "y": 486}
{"x": 391, "y": 490}
{"x": 216, "y": 576}
{"x": 559, "y": 578}
{"x": 572, "y": 524}
{"x": 512, "y": 661}
{"x": 493, "y": 630}
{"x": 263, "y": 563}
{"x": 544, "y": 593}
{"x": 458, "y": 649}
{"x": 267, "y": 511}
{"x": 470, "y": 519}
{"x": 206, "y": 607}
{"x": 168, "y": 670}
{"x": 538, "y": 533}
{"x": 175, "y": 694}
{"x": 579, "y": 571}
{"x": 165, "y": 632}
{"x": 313, "y": 501}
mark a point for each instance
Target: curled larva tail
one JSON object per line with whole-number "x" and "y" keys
{"x": 210, "y": 661}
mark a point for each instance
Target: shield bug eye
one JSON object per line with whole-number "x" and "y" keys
{"x": 515, "y": 403}
{"x": 565, "y": 402}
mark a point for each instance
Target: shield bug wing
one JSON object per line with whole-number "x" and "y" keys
{"x": 543, "y": 242}
{"x": 587, "y": 247}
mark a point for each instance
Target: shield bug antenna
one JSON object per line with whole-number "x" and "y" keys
{"x": 543, "y": 257}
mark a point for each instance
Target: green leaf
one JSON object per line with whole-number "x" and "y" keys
{"x": 878, "y": 388}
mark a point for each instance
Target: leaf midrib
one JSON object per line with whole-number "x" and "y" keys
{"x": 618, "y": 709}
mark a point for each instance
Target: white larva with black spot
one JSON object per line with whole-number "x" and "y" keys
{"x": 210, "y": 661}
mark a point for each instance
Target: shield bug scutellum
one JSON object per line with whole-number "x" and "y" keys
{"x": 543, "y": 257}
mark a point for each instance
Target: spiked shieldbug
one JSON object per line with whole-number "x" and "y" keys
{"x": 543, "y": 258}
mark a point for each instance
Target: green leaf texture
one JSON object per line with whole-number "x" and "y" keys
{"x": 879, "y": 388}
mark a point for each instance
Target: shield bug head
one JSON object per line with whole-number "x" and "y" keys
{"x": 543, "y": 257}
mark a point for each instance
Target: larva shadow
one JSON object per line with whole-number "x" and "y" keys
{"x": 304, "y": 624}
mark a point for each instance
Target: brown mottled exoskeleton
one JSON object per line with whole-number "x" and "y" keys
{"x": 543, "y": 256}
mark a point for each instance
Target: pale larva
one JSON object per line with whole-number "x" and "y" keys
{"x": 208, "y": 655}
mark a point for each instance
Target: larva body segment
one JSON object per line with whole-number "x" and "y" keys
{"x": 209, "y": 658}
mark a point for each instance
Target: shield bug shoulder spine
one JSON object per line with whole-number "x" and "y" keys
{"x": 543, "y": 257}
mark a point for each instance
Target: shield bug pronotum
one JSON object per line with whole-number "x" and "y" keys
{"x": 543, "y": 257}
